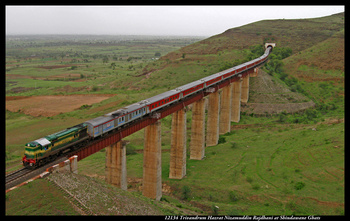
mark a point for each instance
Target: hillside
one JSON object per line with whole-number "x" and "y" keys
{"x": 323, "y": 61}
{"x": 298, "y": 34}
{"x": 317, "y": 44}
{"x": 268, "y": 96}
{"x": 73, "y": 194}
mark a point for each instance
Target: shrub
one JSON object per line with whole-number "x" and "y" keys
{"x": 282, "y": 117}
{"x": 130, "y": 150}
{"x": 233, "y": 196}
{"x": 215, "y": 209}
{"x": 249, "y": 179}
{"x": 233, "y": 212}
{"x": 186, "y": 192}
{"x": 222, "y": 139}
{"x": 255, "y": 186}
{"x": 234, "y": 145}
{"x": 299, "y": 185}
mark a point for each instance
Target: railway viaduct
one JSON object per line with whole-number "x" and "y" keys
{"x": 224, "y": 102}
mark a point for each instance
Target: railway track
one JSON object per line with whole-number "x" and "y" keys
{"x": 24, "y": 174}
{"x": 17, "y": 174}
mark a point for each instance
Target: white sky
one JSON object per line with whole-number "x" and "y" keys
{"x": 148, "y": 20}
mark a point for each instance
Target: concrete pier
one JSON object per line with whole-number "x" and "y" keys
{"x": 152, "y": 162}
{"x": 225, "y": 109}
{"x": 178, "y": 145}
{"x": 74, "y": 164}
{"x": 255, "y": 73}
{"x": 116, "y": 165}
{"x": 197, "y": 133}
{"x": 245, "y": 90}
{"x": 236, "y": 101}
{"x": 213, "y": 119}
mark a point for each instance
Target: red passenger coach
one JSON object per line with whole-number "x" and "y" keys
{"x": 229, "y": 74}
{"x": 214, "y": 81}
{"x": 163, "y": 102}
{"x": 193, "y": 90}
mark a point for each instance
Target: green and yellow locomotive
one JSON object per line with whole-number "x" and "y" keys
{"x": 46, "y": 149}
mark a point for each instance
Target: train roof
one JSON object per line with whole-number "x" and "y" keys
{"x": 162, "y": 95}
{"x": 41, "y": 141}
{"x": 189, "y": 85}
{"x": 61, "y": 133}
{"x": 99, "y": 120}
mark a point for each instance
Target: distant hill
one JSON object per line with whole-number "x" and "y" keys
{"x": 316, "y": 43}
{"x": 297, "y": 34}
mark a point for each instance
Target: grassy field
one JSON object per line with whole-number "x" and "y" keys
{"x": 263, "y": 168}
{"x": 68, "y": 65}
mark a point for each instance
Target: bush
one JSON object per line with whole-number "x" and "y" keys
{"x": 186, "y": 192}
{"x": 233, "y": 196}
{"x": 255, "y": 186}
{"x": 222, "y": 139}
{"x": 233, "y": 212}
{"x": 215, "y": 210}
{"x": 282, "y": 117}
{"x": 234, "y": 145}
{"x": 130, "y": 150}
{"x": 311, "y": 114}
{"x": 249, "y": 179}
{"x": 299, "y": 185}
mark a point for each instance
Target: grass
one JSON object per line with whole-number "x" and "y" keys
{"x": 37, "y": 199}
{"x": 272, "y": 169}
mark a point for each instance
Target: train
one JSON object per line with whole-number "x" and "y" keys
{"x": 48, "y": 148}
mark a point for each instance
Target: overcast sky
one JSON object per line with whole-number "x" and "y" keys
{"x": 148, "y": 20}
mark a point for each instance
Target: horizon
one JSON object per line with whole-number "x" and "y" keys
{"x": 148, "y": 20}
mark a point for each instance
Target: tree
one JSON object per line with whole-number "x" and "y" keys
{"x": 157, "y": 54}
{"x": 282, "y": 117}
{"x": 105, "y": 59}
